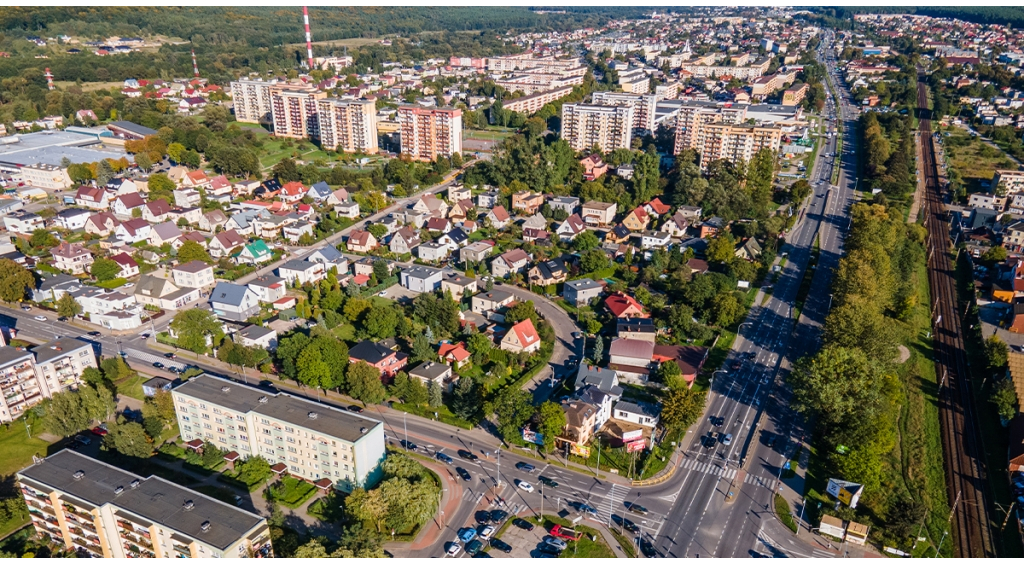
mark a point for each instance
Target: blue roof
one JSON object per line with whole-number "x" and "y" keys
{"x": 228, "y": 293}
{"x": 322, "y": 189}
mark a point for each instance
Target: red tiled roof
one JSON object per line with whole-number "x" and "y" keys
{"x": 623, "y": 305}
{"x": 526, "y": 333}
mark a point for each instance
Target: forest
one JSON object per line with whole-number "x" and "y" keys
{"x": 1002, "y": 15}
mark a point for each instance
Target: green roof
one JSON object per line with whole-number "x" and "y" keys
{"x": 258, "y": 248}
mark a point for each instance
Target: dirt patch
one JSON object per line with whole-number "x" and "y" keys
{"x": 904, "y": 354}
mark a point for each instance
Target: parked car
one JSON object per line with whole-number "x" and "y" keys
{"x": 523, "y": 524}
{"x": 452, "y": 548}
{"x": 82, "y": 439}
{"x": 408, "y": 445}
{"x": 546, "y": 548}
{"x": 474, "y": 546}
{"x": 485, "y": 531}
{"x": 94, "y": 333}
{"x": 501, "y": 545}
{"x": 555, "y": 541}
{"x": 467, "y": 534}
{"x": 497, "y": 516}
{"x": 99, "y": 431}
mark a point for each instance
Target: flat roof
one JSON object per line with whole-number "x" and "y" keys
{"x": 49, "y": 147}
{"x": 58, "y": 348}
{"x": 153, "y": 498}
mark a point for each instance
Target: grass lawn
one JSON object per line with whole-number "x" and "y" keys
{"x": 132, "y": 387}
{"x": 90, "y": 86}
{"x": 113, "y": 283}
{"x": 329, "y": 508}
{"x": 18, "y": 448}
{"x": 784, "y": 513}
{"x": 345, "y": 332}
{"x": 583, "y": 548}
{"x": 296, "y": 492}
{"x": 485, "y": 135}
{"x": 975, "y": 160}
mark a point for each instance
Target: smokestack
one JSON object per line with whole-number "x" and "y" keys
{"x": 49, "y": 79}
{"x": 309, "y": 38}
{"x": 195, "y": 66}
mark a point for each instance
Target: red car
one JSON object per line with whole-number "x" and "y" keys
{"x": 99, "y": 431}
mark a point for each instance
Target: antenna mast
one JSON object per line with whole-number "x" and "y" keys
{"x": 309, "y": 38}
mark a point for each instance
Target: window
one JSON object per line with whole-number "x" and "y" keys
{"x": 220, "y": 429}
{"x": 289, "y": 430}
{"x": 291, "y": 440}
{"x": 216, "y": 410}
{"x": 182, "y": 408}
{"x": 202, "y": 406}
{"x": 243, "y": 437}
{"x": 240, "y": 418}
{"x": 206, "y": 416}
{"x": 292, "y": 449}
{"x": 207, "y": 425}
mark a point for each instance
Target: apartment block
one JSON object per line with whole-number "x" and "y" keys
{"x": 348, "y": 125}
{"x": 427, "y": 133}
{"x": 531, "y": 104}
{"x": 587, "y": 125}
{"x": 643, "y": 107}
{"x": 29, "y": 377}
{"x": 736, "y": 143}
{"x": 311, "y": 441}
{"x": 49, "y": 177}
{"x": 101, "y": 511}
{"x": 293, "y": 111}
{"x": 795, "y": 95}
{"x": 252, "y": 100}
{"x": 1012, "y": 181}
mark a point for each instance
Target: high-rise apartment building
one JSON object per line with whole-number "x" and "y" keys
{"x": 29, "y": 377}
{"x": 719, "y": 132}
{"x": 103, "y": 512}
{"x": 587, "y": 125}
{"x": 643, "y": 107}
{"x": 293, "y": 111}
{"x": 348, "y": 125}
{"x": 427, "y": 133}
{"x": 311, "y": 441}
{"x": 251, "y": 99}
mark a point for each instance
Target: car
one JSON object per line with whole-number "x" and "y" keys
{"x": 485, "y": 532}
{"x": 474, "y": 546}
{"x": 525, "y": 486}
{"x": 466, "y": 455}
{"x": 482, "y": 555}
{"x": 525, "y": 467}
{"x": 647, "y": 548}
{"x": 555, "y": 541}
{"x": 382, "y": 294}
{"x": 638, "y": 509}
{"x": 501, "y": 545}
{"x": 409, "y": 445}
{"x": 467, "y": 534}
{"x": 128, "y": 285}
{"x": 463, "y": 474}
{"x": 158, "y": 365}
{"x": 770, "y": 443}
{"x": 123, "y": 353}
{"x": 26, "y": 308}
{"x": 355, "y": 409}
{"x": 727, "y": 439}
{"x": 497, "y": 516}
{"x": 582, "y": 507}
{"x": 546, "y": 548}
{"x": 94, "y": 333}
{"x": 40, "y": 318}
{"x": 523, "y": 524}
{"x": 62, "y": 319}
{"x": 452, "y": 548}
{"x": 444, "y": 458}
{"x": 82, "y": 439}
{"x": 547, "y": 481}
{"x": 174, "y": 370}
{"x": 169, "y": 355}
{"x": 630, "y": 526}
{"x": 99, "y": 431}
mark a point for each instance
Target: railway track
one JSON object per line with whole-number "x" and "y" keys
{"x": 970, "y": 525}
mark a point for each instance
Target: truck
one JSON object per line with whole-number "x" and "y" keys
{"x": 566, "y": 533}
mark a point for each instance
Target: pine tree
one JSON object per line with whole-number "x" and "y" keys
{"x": 434, "y": 395}
{"x": 598, "y": 351}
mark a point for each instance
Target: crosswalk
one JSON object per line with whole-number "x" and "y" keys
{"x": 151, "y": 358}
{"x": 727, "y": 473}
{"x": 612, "y": 502}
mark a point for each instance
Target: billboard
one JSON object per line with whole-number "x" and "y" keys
{"x": 580, "y": 450}
{"x": 532, "y": 436}
{"x": 630, "y": 436}
{"x": 636, "y": 446}
{"x": 846, "y": 492}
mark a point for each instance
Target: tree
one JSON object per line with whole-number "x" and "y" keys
{"x": 97, "y": 403}
{"x": 726, "y": 309}
{"x": 513, "y": 407}
{"x": 104, "y": 172}
{"x": 129, "y": 439}
{"x": 380, "y": 268}
{"x": 144, "y": 162}
{"x": 41, "y": 239}
{"x": 551, "y": 422}
{"x": 521, "y": 311}
{"x": 598, "y": 353}
{"x": 1004, "y": 395}
{"x": 254, "y": 470}
{"x": 379, "y": 232}
{"x": 193, "y": 327}
{"x": 682, "y": 407}
{"x": 670, "y": 374}
{"x": 586, "y": 241}
{"x": 376, "y": 200}
{"x": 466, "y": 399}
{"x": 67, "y": 306}
{"x": 421, "y": 349}
{"x": 364, "y": 383}
{"x": 286, "y": 171}
{"x": 159, "y": 182}
{"x": 105, "y": 269}
{"x": 382, "y": 322}
{"x": 65, "y": 415}
{"x": 594, "y": 260}
{"x": 367, "y": 506}
{"x": 191, "y": 251}
{"x": 996, "y": 353}
{"x": 416, "y": 393}
{"x": 312, "y": 370}
{"x": 434, "y": 395}
{"x": 722, "y": 249}
{"x": 835, "y": 384}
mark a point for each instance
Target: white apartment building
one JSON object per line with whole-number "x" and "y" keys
{"x": 427, "y": 133}
{"x": 23, "y": 222}
{"x": 252, "y": 100}
{"x": 293, "y": 111}
{"x": 312, "y": 441}
{"x": 587, "y": 125}
{"x": 643, "y": 107}
{"x": 531, "y": 104}
{"x": 348, "y": 125}
{"x": 48, "y": 177}
{"x": 29, "y": 377}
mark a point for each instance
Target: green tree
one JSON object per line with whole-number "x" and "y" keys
{"x": 513, "y": 408}
{"x": 594, "y": 260}
{"x": 105, "y": 269}
{"x": 726, "y": 309}
{"x": 42, "y": 239}
{"x": 379, "y": 232}
{"x": 421, "y": 349}
{"x": 834, "y": 384}
{"x": 551, "y": 422}
{"x": 144, "y": 162}
{"x": 129, "y": 439}
{"x": 382, "y": 322}
{"x": 312, "y": 370}
{"x": 98, "y": 403}
{"x": 416, "y": 392}
{"x": 193, "y": 327}
{"x": 368, "y": 506}
{"x": 364, "y": 383}
{"x": 521, "y": 311}
{"x": 682, "y": 406}
{"x": 380, "y": 268}
{"x": 722, "y": 249}
{"x": 159, "y": 182}
{"x": 254, "y": 470}
{"x": 65, "y": 415}
{"x": 191, "y": 251}
{"x": 67, "y": 306}
{"x": 586, "y": 241}
{"x": 1004, "y": 395}
{"x": 466, "y": 400}
{"x": 434, "y": 395}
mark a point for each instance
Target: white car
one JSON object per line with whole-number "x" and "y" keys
{"x": 486, "y": 532}
{"x": 128, "y": 285}
{"x": 40, "y": 318}
{"x": 525, "y": 486}
{"x": 453, "y": 549}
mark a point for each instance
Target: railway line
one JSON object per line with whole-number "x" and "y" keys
{"x": 970, "y": 523}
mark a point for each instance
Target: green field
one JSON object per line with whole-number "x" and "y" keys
{"x": 18, "y": 448}
{"x": 975, "y": 160}
{"x": 132, "y": 387}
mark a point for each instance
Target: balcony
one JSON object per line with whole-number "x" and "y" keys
{"x": 183, "y": 551}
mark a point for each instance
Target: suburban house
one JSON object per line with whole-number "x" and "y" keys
{"x": 101, "y": 223}
{"x": 490, "y": 301}
{"x": 571, "y": 227}
{"x": 657, "y": 208}
{"x": 599, "y": 213}
{"x": 459, "y": 192}
{"x": 133, "y": 231}
{"x": 624, "y": 305}
{"x": 498, "y": 217}
{"x": 293, "y": 232}
{"x": 437, "y": 373}
{"x": 581, "y": 291}
{"x": 689, "y": 358}
{"x": 387, "y": 361}
{"x": 319, "y": 192}
{"x": 509, "y": 262}
{"x": 598, "y": 398}
{"x": 330, "y": 257}
{"x": 439, "y": 224}
{"x": 211, "y": 220}
{"x": 454, "y": 239}
{"x": 535, "y": 221}
{"x": 433, "y": 251}
{"x": 156, "y": 211}
{"x": 631, "y": 358}
{"x": 749, "y": 250}
{"x": 711, "y": 227}
{"x": 568, "y": 204}
{"x": 70, "y": 219}
{"x": 455, "y": 354}
{"x": 128, "y": 265}
{"x": 255, "y": 253}
{"x": 489, "y": 199}
{"x": 654, "y": 240}
{"x": 194, "y": 274}
{"x": 224, "y": 243}
{"x": 604, "y": 379}
{"x": 421, "y": 279}
{"x": 538, "y": 236}
{"x": 640, "y": 328}
{"x": 347, "y": 209}
{"x": 527, "y": 202}
{"x": 164, "y": 233}
{"x": 548, "y": 272}
{"x": 219, "y": 186}
{"x": 637, "y": 220}
{"x": 431, "y": 205}
{"x": 580, "y": 420}
{"x": 476, "y": 252}
{"x": 190, "y": 237}
{"x": 676, "y": 225}
{"x": 195, "y": 179}
{"x": 301, "y": 272}
{"x": 257, "y": 336}
{"x": 360, "y": 241}
{"x": 23, "y": 222}
{"x": 593, "y": 167}
{"x": 521, "y": 337}
{"x": 404, "y": 241}
{"x": 234, "y": 302}
{"x": 459, "y": 285}
{"x": 92, "y": 198}
{"x": 162, "y": 293}
{"x": 268, "y": 288}
{"x": 72, "y": 258}
{"x": 643, "y": 414}
{"x": 337, "y": 197}
{"x": 187, "y": 197}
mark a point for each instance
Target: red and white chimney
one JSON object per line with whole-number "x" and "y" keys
{"x": 309, "y": 38}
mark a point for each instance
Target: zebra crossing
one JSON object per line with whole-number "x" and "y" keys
{"x": 151, "y": 358}
{"x": 727, "y": 473}
{"x": 612, "y": 502}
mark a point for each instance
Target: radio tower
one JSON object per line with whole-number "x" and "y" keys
{"x": 195, "y": 66}
{"x": 49, "y": 79}
{"x": 309, "y": 38}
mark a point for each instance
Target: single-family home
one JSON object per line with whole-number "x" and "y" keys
{"x": 337, "y": 197}
{"x": 70, "y": 219}
{"x": 387, "y": 361}
{"x": 242, "y": 222}
{"x": 156, "y": 211}
{"x": 431, "y": 205}
{"x": 101, "y": 223}
{"x": 347, "y": 209}
{"x": 224, "y": 243}
{"x": 193, "y": 274}
{"x": 133, "y": 231}
{"x": 162, "y": 293}
{"x": 568, "y": 204}
{"x": 163, "y": 233}
{"x": 637, "y": 220}
{"x": 631, "y": 358}
{"x": 749, "y": 249}
{"x": 219, "y": 186}
{"x": 330, "y": 257}
{"x": 195, "y": 179}
{"x": 599, "y": 213}
{"x": 485, "y": 302}
{"x": 526, "y": 202}
{"x": 462, "y": 211}
{"x": 711, "y": 227}
{"x": 268, "y": 288}
{"x": 548, "y": 272}
{"x": 455, "y": 239}
{"x": 593, "y": 167}
{"x": 643, "y": 414}
{"x": 292, "y": 192}
{"x": 459, "y": 285}
{"x": 187, "y": 197}
{"x": 571, "y": 227}
{"x": 676, "y": 225}
{"x": 319, "y": 192}
{"x": 439, "y": 224}
{"x": 301, "y": 271}
{"x": 498, "y": 217}
{"x": 257, "y": 336}
{"x": 459, "y": 192}
{"x": 510, "y": 262}
{"x": 433, "y": 251}
{"x": 690, "y": 359}
{"x": 535, "y": 221}
{"x": 454, "y": 354}
{"x": 476, "y": 252}
{"x": 521, "y": 337}
{"x": 580, "y": 292}
{"x": 128, "y": 265}
{"x": 256, "y": 252}
{"x": 690, "y": 213}
{"x": 404, "y": 241}
{"x": 488, "y": 200}
{"x": 536, "y": 236}
{"x": 294, "y": 231}
{"x": 437, "y": 373}
{"x": 360, "y": 241}
{"x": 234, "y": 302}
{"x": 624, "y": 305}
{"x": 92, "y": 198}
{"x": 604, "y": 379}
{"x": 211, "y": 220}
{"x": 23, "y": 222}
{"x": 641, "y": 328}
{"x": 421, "y": 279}
{"x": 657, "y": 208}
{"x": 72, "y": 258}
{"x": 654, "y": 240}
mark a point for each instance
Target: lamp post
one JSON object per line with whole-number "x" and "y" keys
{"x": 405, "y": 421}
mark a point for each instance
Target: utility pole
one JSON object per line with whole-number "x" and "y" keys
{"x": 921, "y": 529}
{"x": 952, "y": 512}
{"x": 1008, "y": 513}
{"x": 405, "y": 421}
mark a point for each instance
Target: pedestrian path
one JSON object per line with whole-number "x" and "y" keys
{"x": 612, "y": 503}
{"x": 727, "y": 473}
{"x": 151, "y": 358}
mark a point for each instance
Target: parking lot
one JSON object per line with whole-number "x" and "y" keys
{"x": 524, "y": 543}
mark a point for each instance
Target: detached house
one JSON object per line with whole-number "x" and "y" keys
{"x": 319, "y": 192}
{"x": 527, "y": 202}
{"x": 637, "y": 220}
{"x": 387, "y": 361}
{"x": 133, "y": 231}
{"x": 211, "y": 220}
{"x": 436, "y": 373}
{"x": 101, "y": 223}
{"x": 124, "y": 205}
{"x": 459, "y": 285}
{"x": 431, "y": 205}
{"x": 404, "y": 241}
{"x": 599, "y": 213}
{"x": 195, "y": 179}
{"x": 268, "y": 288}
{"x": 656, "y": 208}
{"x": 624, "y": 305}
{"x": 593, "y": 167}
{"x": 224, "y": 243}
{"x": 256, "y": 252}
{"x": 128, "y": 265}
{"x": 676, "y": 225}
{"x": 580, "y": 292}
{"x": 330, "y": 257}
{"x": 360, "y": 241}
{"x": 509, "y": 262}
{"x": 162, "y": 293}
{"x": 71, "y": 257}
{"x": 234, "y": 302}
{"x": 292, "y": 192}
{"x": 522, "y": 337}
{"x": 548, "y": 272}
{"x": 164, "y": 233}
{"x": 194, "y": 274}
{"x": 92, "y": 198}
{"x": 498, "y": 217}
{"x": 156, "y": 211}
{"x": 301, "y": 271}
{"x": 570, "y": 228}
